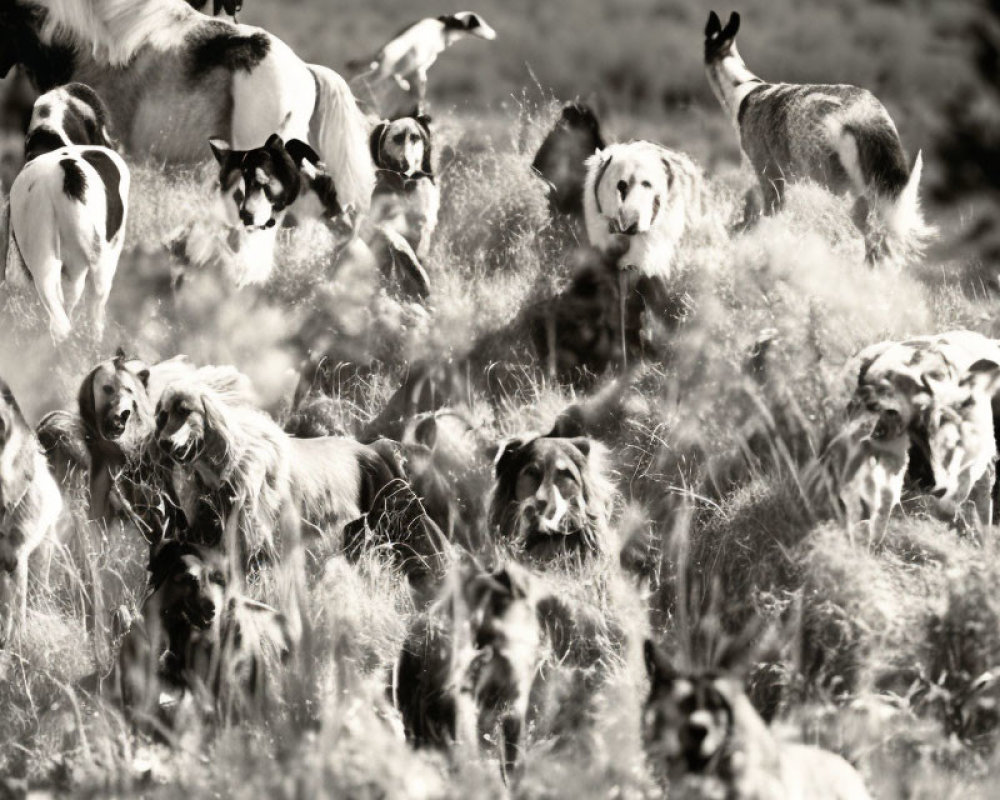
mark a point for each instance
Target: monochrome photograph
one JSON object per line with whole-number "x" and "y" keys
{"x": 568, "y": 399}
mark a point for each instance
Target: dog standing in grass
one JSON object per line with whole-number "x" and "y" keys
{"x": 68, "y": 207}
{"x": 840, "y": 136}
{"x": 30, "y": 506}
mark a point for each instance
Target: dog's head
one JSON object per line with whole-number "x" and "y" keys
{"x": 189, "y": 583}
{"x": 466, "y": 23}
{"x": 546, "y": 502}
{"x": 73, "y": 114}
{"x": 719, "y": 40}
{"x": 186, "y": 420}
{"x": 261, "y": 183}
{"x": 113, "y": 398}
{"x": 687, "y": 717}
{"x": 561, "y": 160}
{"x": 403, "y": 145}
{"x": 631, "y": 183}
{"x": 960, "y": 432}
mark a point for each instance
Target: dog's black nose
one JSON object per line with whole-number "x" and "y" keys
{"x": 695, "y": 733}
{"x": 165, "y": 445}
{"x": 632, "y": 229}
{"x": 123, "y": 416}
{"x": 246, "y": 217}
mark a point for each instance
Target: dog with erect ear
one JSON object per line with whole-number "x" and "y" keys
{"x": 196, "y": 638}
{"x": 552, "y": 499}
{"x": 464, "y": 676}
{"x": 700, "y": 728}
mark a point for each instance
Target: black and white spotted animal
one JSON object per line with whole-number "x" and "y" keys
{"x": 407, "y": 57}
{"x": 67, "y": 115}
{"x": 646, "y": 193}
{"x": 840, "y": 136}
{"x": 68, "y": 207}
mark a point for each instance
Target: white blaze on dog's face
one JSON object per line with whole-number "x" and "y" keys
{"x": 403, "y": 144}
{"x": 631, "y": 187}
{"x": 960, "y": 434}
{"x": 181, "y": 424}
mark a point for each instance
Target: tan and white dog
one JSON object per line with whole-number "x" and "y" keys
{"x": 646, "y": 193}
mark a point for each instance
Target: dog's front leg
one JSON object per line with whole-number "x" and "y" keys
{"x": 511, "y": 762}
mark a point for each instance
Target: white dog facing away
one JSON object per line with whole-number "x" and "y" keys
{"x": 644, "y": 192}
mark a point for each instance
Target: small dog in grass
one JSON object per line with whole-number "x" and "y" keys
{"x": 196, "y": 637}
{"x": 699, "y": 725}
{"x": 861, "y": 470}
{"x": 840, "y": 136}
{"x": 30, "y": 507}
{"x": 466, "y": 670}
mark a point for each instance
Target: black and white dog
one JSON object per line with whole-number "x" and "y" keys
{"x": 406, "y": 196}
{"x": 840, "y": 136}
{"x": 68, "y": 207}
{"x": 260, "y": 186}
{"x": 407, "y": 57}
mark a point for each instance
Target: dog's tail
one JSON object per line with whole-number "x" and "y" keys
{"x": 339, "y": 134}
{"x": 873, "y": 156}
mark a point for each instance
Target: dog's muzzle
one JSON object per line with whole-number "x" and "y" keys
{"x": 247, "y": 220}
{"x": 615, "y": 227}
{"x": 114, "y": 424}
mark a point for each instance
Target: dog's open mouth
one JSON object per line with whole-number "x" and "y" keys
{"x": 113, "y": 429}
{"x": 183, "y": 456}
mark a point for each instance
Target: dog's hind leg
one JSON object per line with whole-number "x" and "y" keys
{"x": 510, "y": 747}
{"x": 48, "y": 282}
{"x": 102, "y": 274}
{"x": 73, "y": 288}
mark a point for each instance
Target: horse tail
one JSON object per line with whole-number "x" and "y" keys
{"x": 338, "y": 131}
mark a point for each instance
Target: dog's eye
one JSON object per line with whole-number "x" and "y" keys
{"x": 108, "y": 390}
{"x": 399, "y": 138}
{"x": 622, "y": 188}
{"x": 217, "y": 578}
{"x": 647, "y": 185}
{"x": 184, "y": 412}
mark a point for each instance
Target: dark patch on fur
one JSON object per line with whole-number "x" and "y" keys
{"x": 41, "y": 140}
{"x": 74, "y": 181}
{"x": 47, "y": 65}
{"x": 883, "y": 162}
{"x": 574, "y": 138}
{"x": 219, "y": 45}
{"x": 111, "y": 177}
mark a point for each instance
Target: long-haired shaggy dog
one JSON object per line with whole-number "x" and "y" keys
{"x": 646, "y": 193}
{"x": 116, "y": 403}
{"x": 198, "y": 638}
{"x": 67, "y": 225}
{"x": 552, "y": 499}
{"x": 408, "y": 55}
{"x": 30, "y": 506}
{"x": 466, "y": 670}
{"x": 561, "y": 159}
{"x": 839, "y": 136}
{"x": 234, "y": 472}
{"x": 406, "y": 196}
{"x": 173, "y": 78}
{"x": 699, "y": 724}
{"x": 68, "y": 115}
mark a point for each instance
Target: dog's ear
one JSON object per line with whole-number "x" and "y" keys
{"x": 301, "y": 153}
{"x": 162, "y": 559}
{"x": 983, "y": 376}
{"x": 658, "y": 666}
{"x": 514, "y": 579}
{"x": 85, "y": 401}
{"x": 507, "y": 454}
{"x": 375, "y": 142}
{"x": 668, "y": 171}
{"x": 581, "y": 443}
{"x": 426, "y": 165}
{"x": 221, "y": 150}
{"x": 143, "y": 376}
{"x": 714, "y": 25}
{"x": 274, "y": 142}
{"x": 732, "y": 27}
{"x": 599, "y": 163}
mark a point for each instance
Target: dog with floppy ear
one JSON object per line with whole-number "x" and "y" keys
{"x": 561, "y": 159}
{"x": 30, "y": 507}
{"x": 406, "y": 198}
{"x": 646, "y": 193}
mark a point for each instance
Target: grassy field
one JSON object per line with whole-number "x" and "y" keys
{"x": 887, "y": 657}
